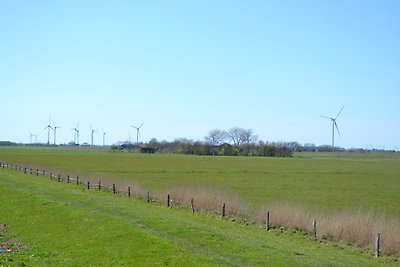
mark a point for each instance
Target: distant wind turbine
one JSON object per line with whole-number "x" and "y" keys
{"x": 137, "y": 132}
{"x": 334, "y": 124}
{"x": 76, "y": 134}
{"x": 104, "y": 137}
{"x": 92, "y": 132}
{"x": 55, "y": 131}
{"x": 48, "y": 127}
{"x": 33, "y": 135}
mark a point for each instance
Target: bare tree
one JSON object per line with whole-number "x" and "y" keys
{"x": 216, "y": 137}
{"x": 241, "y": 136}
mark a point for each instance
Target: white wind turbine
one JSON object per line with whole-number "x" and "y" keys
{"x": 137, "y": 132}
{"x": 76, "y": 134}
{"x": 92, "y": 132}
{"x": 48, "y": 127}
{"x": 104, "y": 137}
{"x": 55, "y": 131}
{"x": 334, "y": 124}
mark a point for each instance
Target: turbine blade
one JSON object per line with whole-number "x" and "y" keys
{"x": 327, "y": 117}
{"x": 339, "y": 113}
{"x": 141, "y": 125}
{"x": 337, "y": 128}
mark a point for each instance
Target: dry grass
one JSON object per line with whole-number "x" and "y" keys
{"x": 205, "y": 198}
{"x": 352, "y": 226}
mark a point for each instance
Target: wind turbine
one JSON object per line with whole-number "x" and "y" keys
{"x": 334, "y": 124}
{"x": 93, "y": 131}
{"x": 30, "y": 137}
{"x": 76, "y": 134}
{"x": 55, "y": 131}
{"x": 104, "y": 137}
{"x": 137, "y": 132}
{"x": 48, "y": 127}
{"x": 33, "y": 135}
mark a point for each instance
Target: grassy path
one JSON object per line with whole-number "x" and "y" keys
{"x": 64, "y": 224}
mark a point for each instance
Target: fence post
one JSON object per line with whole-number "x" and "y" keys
{"x": 77, "y": 180}
{"x": 99, "y": 185}
{"x": 24, "y": 169}
{"x": 114, "y": 188}
{"x": 31, "y": 171}
{"x": 377, "y": 244}
{"x": 148, "y": 196}
{"x": 267, "y": 225}
{"x": 129, "y": 191}
{"x": 223, "y": 210}
{"x": 51, "y": 176}
{"x": 44, "y": 173}
{"x": 59, "y": 177}
{"x": 37, "y": 172}
{"x": 68, "y": 179}
{"x": 168, "y": 201}
{"x": 314, "y": 229}
{"x": 88, "y": 185}
{"x": 192, "y": 205}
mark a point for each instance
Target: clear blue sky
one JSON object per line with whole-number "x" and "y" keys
{"x": 187, "y": 67}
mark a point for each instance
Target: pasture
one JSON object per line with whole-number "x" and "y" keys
{"x": 359, "y": 189}
{"x": 321, "y": 181}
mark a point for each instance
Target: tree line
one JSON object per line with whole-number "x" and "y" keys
{"x": 233, "y": 142}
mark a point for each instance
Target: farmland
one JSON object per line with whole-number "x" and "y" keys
{"x": 317, "y": 180}
{"x": 130, "y": 230}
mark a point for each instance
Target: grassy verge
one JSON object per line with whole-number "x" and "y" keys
{"x": 61, "y": 224}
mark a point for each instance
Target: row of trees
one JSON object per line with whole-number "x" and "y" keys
{"x": 186, "y": 146}
{"x": 233, "y": 142}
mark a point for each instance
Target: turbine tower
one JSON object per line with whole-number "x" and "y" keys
{"x": 92, "y": 131}
{"x": 76, "y": 134}
{"x": 48, "y": 127}
{"x": 104, "y": 137}
{"x": 137, "y": 132}
{"x": 55, "y": 131}
{"x": 334, "y": 124}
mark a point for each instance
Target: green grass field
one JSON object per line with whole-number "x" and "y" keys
{"x": 61, "y": 224}
{"x": 99, "y": 228}
{"x": 318, "y": 180}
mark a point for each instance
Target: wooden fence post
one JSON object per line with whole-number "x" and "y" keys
{"x": 267, "y": 225}
{"x": 88, "y": 185}
{"x": 114, "y": 188}
{"x": 377, "y": 244}
{"x": 51, "y": 176}
{"x": 129, "y": 191}
{"x": 77, "y": 180}
{"x": 31, "y": 171}
{"x": 314, "y": 229}
{"x": 68, "y": 179}
{"x": 99, "y": 185}
{"x": 223, "y": 210}
{"x": 148, "y": 196}
{"x": 24, "y": 169}
{"x": 44, "y": 173}
{"x": 192, "y": 205}
{"x": 168, "y": 201}
{"x": 37, "y": 172}
{"x": 59, "y": 177}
